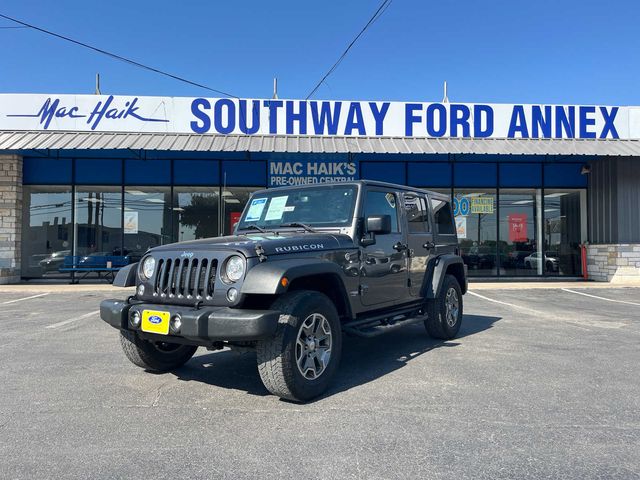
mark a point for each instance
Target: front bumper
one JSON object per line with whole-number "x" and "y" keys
{"x": 202, "y": 326}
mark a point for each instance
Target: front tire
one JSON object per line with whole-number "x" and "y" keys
{"x": 444, "y": 314}
{"x": 154, "y": 356}
{"x": 300, "y": 360}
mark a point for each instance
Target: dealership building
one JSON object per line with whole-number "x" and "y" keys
{"x": 539, "y": 191}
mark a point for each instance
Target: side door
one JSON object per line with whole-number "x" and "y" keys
{"x": 419, "y": 239}
{"x": 383, "y": 265}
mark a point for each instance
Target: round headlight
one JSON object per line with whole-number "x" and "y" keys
{"x": 234, "y": 270}
{"x": 148, "y": 266}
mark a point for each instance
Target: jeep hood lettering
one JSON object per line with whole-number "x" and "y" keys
{"x": 281, "y": 244}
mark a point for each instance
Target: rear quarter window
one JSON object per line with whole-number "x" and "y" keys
{"x": 443, "y": 217}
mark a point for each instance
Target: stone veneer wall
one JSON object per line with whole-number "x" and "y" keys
{"x": 10, "y": 217}
{"x": 617, "y": 263}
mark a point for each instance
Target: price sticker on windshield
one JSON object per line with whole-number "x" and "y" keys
{"x": 255, "y": 209}
{"x": 276, "y": 208}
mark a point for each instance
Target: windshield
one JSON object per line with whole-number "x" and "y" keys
{"x": 326, "y": 206}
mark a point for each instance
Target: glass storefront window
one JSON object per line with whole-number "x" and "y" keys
{"x": 564, "y": 230}
{"x": 233, "y": 201}
{"x": 98, "y": 217}
{"x": 195, "y": 212}
{"x": 475, "y": 212}
{"x": 47, "y": 230}
{"x": 147, "y": 219}
{"x": 520, "y": 225}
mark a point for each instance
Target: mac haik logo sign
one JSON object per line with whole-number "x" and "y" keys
{"x": 307, "y": 171}
{"x": 231, "y": 116}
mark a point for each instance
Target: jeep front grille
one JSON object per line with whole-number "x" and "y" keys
{"x": 185, "y": 278}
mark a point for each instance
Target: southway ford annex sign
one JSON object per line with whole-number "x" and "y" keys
{"x": 229, "y": 116}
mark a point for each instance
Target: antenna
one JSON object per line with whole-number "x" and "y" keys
{"x": 275, "y": 88}
{"x": 446, "y": 98}
{"x": 98, "y": 84}
{"x": 224, "y": 202}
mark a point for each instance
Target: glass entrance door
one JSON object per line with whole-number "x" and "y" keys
{"x": 564, "y": 230}
{"x": 520, "y": 226}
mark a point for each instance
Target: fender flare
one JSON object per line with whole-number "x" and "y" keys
{"x": 126, "y": 276}
{"x": 265, "y": 277}
{"x": 437, "y": 270}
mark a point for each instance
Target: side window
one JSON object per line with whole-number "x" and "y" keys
{"x": 443, "y": 217}
{"x": 382, "y": 203}
{"x": 417, "y": 214}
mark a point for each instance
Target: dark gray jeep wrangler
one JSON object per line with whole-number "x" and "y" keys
{"x": 305, "y": 265}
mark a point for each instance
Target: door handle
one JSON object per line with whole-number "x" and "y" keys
{"x": 428, "y": 245}
{"x": 400, "y": 247}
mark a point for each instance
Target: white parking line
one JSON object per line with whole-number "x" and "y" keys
{"x": 71, "y": 320}
{"x": 600, "y": 298}
{"x": 25, "y": 298}
{"x": 513, "y": 305}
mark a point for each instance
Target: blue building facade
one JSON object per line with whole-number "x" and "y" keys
{"x": 517, "y": 215}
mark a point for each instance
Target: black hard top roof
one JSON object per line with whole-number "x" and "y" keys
{"x": 375, "y": 183}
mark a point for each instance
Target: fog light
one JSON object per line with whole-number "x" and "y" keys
{"x": 140, "y": 290}
{"x": 135, "y": 319}
{"x": 175, "y": 324}
{"x": 232, "y": 295}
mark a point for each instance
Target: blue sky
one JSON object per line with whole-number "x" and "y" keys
{"x": 583, "y": 52}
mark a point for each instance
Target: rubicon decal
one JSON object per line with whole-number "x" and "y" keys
{"x": 300, "y": 248}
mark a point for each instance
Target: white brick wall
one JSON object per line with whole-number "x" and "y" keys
{"x": 619, "y": 263}
{"x": 10, "y": 217}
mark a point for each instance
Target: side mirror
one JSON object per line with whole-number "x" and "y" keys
{"x": 380, "y": 224}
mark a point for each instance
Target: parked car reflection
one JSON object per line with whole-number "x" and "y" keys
{"x": 376, "y": 265}
{"x": 53, "y": 261}
{"x": 550, "y": 261}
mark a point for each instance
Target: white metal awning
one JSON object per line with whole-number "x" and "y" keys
{"x": 56, "y": 140}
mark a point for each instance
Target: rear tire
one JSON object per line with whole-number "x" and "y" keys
{"x": 154, "y": 356}
{"x": 444, "y": 314}
{"x": 300, "y": 360}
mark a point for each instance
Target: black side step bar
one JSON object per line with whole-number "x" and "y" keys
{"x": 388, "y": 322}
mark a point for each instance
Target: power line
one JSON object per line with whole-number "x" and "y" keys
{"x": 381, "y": 9}
{"x": 115, "y": 56}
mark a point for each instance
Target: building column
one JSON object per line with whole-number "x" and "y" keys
{"x": 10, "y": 217}
{"x": 615, "y": 263}
{"x": 614, "y": 220}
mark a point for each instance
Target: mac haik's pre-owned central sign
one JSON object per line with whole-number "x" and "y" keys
{"x": 228, "y": 116}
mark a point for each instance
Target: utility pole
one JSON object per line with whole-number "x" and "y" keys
{"x": 275, "y": 88}
{"x": 98, "y": 84}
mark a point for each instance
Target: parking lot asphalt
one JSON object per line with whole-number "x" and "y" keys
{"x": 541, "y": 383}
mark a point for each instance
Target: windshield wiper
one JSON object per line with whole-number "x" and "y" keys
{"x": 301, "y": 225}
{"x": 253, "y": 226}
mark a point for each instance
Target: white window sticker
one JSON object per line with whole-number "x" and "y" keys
{"x": 290, "y": 208}
{"x": 461, "y": 226}
{"x": 276, "y": 208}
{"x": 255, "y": 209}
{"x": 130, "y": 222}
